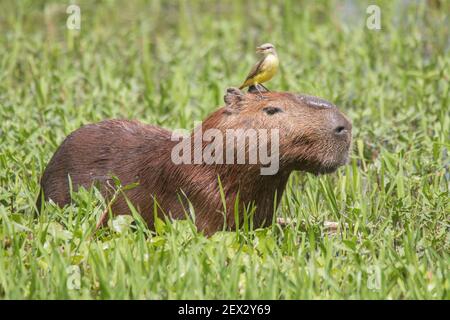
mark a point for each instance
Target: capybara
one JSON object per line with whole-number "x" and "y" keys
{"x": 313, "y": 136}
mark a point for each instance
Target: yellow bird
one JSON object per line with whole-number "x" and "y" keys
{"x": 264, "y": 69}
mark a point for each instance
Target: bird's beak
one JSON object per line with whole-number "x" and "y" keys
{"x": 259, "y": 49}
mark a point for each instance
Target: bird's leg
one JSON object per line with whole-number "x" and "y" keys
{"x": 264, "y": 87}
{"x": 259, "y": 91}
{"x": 256, "y": 88}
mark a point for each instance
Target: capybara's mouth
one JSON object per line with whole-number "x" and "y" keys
{"x": 322, "y": 169}
{"x": 329, "y": 166}
{"x": 327, "y": 169}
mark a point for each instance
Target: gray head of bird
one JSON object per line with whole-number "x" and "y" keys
{"x": 266, "y": 49}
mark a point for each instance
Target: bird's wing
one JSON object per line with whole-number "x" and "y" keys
{"x": 255, "y": 69}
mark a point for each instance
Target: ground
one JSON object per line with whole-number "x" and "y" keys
{"x": 169, "y": 63}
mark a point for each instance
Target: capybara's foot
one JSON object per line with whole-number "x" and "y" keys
{"x": 284, "y": 222}
{"x": 331, "y": 227}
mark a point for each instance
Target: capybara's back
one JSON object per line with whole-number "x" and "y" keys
{"x": 95, "y": 153}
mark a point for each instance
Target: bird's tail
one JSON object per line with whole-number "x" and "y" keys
{"x": 245, "y": 84}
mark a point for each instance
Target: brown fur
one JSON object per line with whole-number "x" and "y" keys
{"x": 314, "y": 137}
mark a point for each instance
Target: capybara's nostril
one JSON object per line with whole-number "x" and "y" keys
{"x": 340, "y": 130}
{"x": 341, "y": 126}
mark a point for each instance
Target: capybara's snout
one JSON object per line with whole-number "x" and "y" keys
{"x": 340, "y": 126}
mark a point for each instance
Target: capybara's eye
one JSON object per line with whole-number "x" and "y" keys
{"x": 272, "y": 110}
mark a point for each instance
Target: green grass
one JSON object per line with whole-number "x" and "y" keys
{"x": 169, "y": 63}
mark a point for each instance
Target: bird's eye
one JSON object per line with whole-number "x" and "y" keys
{"x": 272, "y": 110}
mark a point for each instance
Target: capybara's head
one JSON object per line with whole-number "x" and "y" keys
{"x": 314, "y": 135}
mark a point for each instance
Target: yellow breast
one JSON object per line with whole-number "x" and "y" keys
{"x": 268, "y": 69}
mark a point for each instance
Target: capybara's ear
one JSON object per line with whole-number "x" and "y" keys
{"x": 233, "y": 97}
